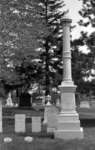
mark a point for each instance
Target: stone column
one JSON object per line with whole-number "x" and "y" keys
{"x": 68, "y": 125}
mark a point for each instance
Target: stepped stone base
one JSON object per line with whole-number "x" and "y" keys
{"x": 68, "y": 127}
{"x": 69, "y": 134}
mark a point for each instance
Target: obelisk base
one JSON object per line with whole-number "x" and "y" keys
{"x": 68, "y": 124}
{"x": 68, "y": 127}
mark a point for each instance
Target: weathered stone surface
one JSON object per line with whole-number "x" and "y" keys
{"x": 69, "y": 134}
{"x": 93, "y": 103}
{"x": 20, "y": 123}
{"x": 85, "y": 104}
{"x": 52, "y": 115}
{"x": 36, "y": 124}
{"x": 68, "y": 126}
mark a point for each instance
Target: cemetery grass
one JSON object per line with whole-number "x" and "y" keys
{"x": 47, "y": 142}
{"x": 42, "y": 142}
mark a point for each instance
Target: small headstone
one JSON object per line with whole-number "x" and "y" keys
{"x": 50, "y": 117}
{"x": 36, "y": 124}
{"x": 19, "y": 123}
{"x": 93, "y": 103}
{"x": 85, "y": 104}
{"x": 46, "y": 114}
{"x": 57, "y": 102}
{"x": 48, "y": 100}
{"x": 9, "y": 100}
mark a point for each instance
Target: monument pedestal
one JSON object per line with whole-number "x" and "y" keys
{"x": 68, "y": 125}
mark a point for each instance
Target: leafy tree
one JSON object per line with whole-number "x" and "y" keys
{"x": 21, "y": 27}
{"x": 84, "y": 63}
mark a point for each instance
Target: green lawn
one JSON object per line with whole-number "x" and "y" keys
{"x": 44, "y": 142}
{"x": 18, "y": 143}
{"x": 47, "y": 142}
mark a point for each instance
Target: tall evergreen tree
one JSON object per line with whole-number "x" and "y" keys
{"x": 51, "y": 51}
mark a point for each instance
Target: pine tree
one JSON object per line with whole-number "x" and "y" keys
{"x": 51, "y": 51}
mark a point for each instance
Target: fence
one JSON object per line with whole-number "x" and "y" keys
{"x": 23, "y": 122}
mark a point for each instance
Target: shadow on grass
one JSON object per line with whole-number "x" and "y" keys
{"x": 87, "y": 123}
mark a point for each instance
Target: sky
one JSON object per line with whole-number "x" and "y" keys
{"x": 74, "y": 6}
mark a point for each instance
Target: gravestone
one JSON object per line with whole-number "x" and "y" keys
{"x": 9, "y": 100}
{"x": 19, "y": 123}
{"x": 93, "y": 103}
{"x": 1, "y": 129}
{"x": 46, "y": 111}
{"x": 58, "y": 102}
{"x": 52, "y": 115}
{"x": 36, "y": 124}
{"x": 84, "y": 104}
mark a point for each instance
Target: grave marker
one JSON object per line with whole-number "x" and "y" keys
{"x": 93, "y": 103}
{"x": 19, "y": 123}
{"x": 36, "y": 124}
{"x": 52, "y": 119}
{"x": 84, "y": 104}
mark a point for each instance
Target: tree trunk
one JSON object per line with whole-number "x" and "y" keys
{"x": 1, "y": 129}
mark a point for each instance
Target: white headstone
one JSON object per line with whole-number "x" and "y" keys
{"x": 1, "y": 129}
{"x": 58, "y": 102}
{"x": 84, "y": 104}
{"x": 36, "y": 124}
{"x": 46, "y": 114}
{"x": 52, "y": 119}
{"x": 93, "y": 103}
{"x": 19, "y": 123}
{"x": 9, "y": 100}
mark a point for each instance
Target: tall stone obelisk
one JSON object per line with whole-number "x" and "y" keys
{"x": 68, "y": 126}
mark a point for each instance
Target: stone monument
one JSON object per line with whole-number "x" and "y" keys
{"x": 68, "y": 125}
{"x": 9, "y": 100}
{"x": 84, "y": 104}
{"x": 20, "y": 123}
{"x": 47, "y": 108}
{"x": 52, "y": 118}
{"x": 36, "y": 124}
